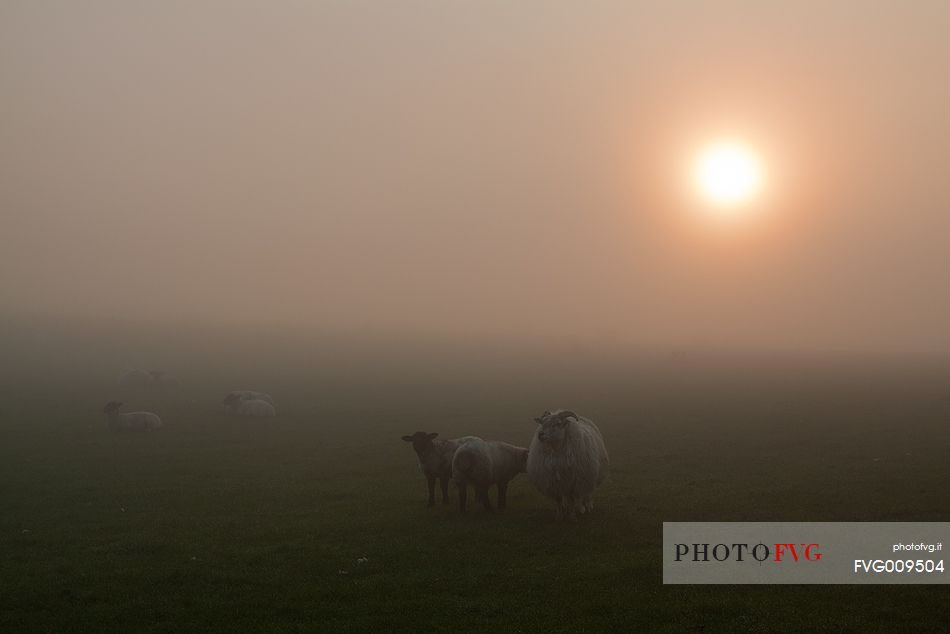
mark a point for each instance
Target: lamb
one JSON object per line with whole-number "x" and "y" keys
{"x": 250, "y": 395}
{"x": 567, "y": 459}
{"x": 435, "y": 460}
{"x": 256, "y": 408}
{"x": 140, "y": 421}
{"x": 483, "y": 464}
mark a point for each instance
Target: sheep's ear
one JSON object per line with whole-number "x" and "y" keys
{"x": 433, "y": 435}
{"x": 407, "y": 438}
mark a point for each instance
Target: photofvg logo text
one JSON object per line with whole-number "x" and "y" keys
{"x": 804, "y": 552}
{"x": 759, "y": 552}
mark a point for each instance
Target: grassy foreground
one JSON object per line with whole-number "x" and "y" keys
{"x": 235, "y": 525}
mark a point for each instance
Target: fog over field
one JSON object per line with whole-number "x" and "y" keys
{"x": 394, "y": 217}
{"x": 317, "y": 520}
{"x": 478, "y": 171}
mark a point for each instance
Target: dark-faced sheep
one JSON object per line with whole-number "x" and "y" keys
{"x": 435, "y": 460}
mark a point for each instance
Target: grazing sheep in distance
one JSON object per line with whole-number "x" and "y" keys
{"x": 135, "y": 378}
{"x": 145, "y": 421}
{"x": 567, "y": 459}
{"x": 254, "y": 407}
{"x": 140, "y": 379}
{"x": 482, "y": 464}
{"x": 435, "y": 460}
{"x": 164, "y": 379}
{"x": 250, "y": 395}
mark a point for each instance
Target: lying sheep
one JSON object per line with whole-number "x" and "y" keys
{"x": 435, "y": 460}
{"x": 250, "y": 395}
{"x": 482, "y": 464}
{"x": 256, "y": 408}
{"x": 567, "y": 459}
{"x": 144, "y": 421}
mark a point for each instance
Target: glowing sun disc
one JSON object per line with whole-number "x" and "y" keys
{"x": 728, "y": 174}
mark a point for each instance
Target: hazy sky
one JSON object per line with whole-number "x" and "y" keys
{"x": 512, "y": 169}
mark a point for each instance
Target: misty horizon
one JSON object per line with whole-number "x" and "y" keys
{"x": 440, "y": 172}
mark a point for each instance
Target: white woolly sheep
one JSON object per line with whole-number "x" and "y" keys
{"x": 144, "y": 421}
{"x": 567, "y": 459}
{"x": 483, "y": 464}
{"x": 135, "y": 378}
{"x": 250, "y": 395}
{"x": 253, "y": 407}
{"x": 435, "y": 460}
{"x": 140, "y": 379}
{"x": 164, "y": 380}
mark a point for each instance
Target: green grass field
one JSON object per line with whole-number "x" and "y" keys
{"x": 236, "y": 525}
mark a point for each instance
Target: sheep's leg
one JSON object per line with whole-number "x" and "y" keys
{"x": 463, "y": 495}
{"x": 570, "y": 509}
{"x": 502, "y": 495}
{"x": 445, "y": 490}
{"x": 560, "y": 509}
{"x": 431, "y": 481}
{"x": 483, "y": 494}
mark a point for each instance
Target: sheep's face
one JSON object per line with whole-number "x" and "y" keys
{"x": 553, "y": 427}
{"x": 111, "y": 407}
{"x": 421, "y": 441}
{"x": 551, "y": 431}
{"x": 231, "y": 399}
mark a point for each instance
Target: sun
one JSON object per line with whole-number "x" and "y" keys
{"x": 728, "y": 174}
